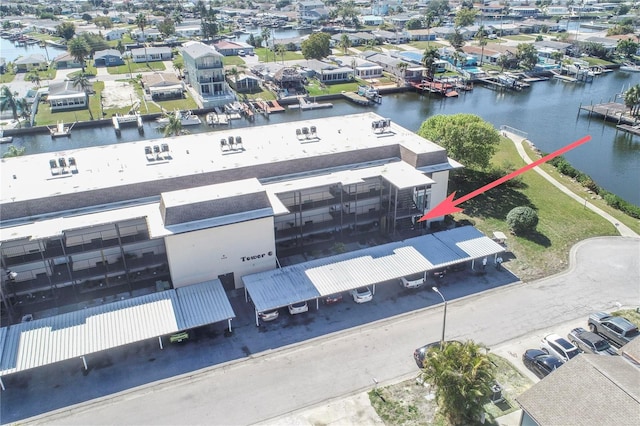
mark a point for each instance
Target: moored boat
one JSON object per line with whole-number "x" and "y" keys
{"x": 630, "y": 68}
{"x": 186, "y": 118}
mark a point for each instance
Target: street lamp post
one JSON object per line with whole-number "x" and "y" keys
{"x": 444, "y": 318}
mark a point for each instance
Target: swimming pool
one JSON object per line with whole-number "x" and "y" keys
{"x": 410, "y": 56}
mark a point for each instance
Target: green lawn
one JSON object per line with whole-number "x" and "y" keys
{"x": 580, "y": 190}
{"x": 562, "y": 221}
{"x": 135, "y": 67}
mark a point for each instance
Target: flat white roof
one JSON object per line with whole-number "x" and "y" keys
{"x": 49, "y": 340}
{"x": 29, "y": 177}
{"x": 344, "y": 272}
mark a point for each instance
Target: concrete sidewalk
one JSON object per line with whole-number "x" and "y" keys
{"x": 517, "y": 140}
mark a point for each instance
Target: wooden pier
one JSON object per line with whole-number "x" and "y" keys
{"x": 445, "y": 89}
{"x": 614, "y": 112}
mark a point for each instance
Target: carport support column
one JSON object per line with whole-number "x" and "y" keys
{"x": 2, "y": 384}
{"x": 84, "y": 362}
{"x": 229, "y": 321}
{"x": 257, "y": 319}
{"x": 160, "y": 341}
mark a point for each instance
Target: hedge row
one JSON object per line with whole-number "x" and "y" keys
{"x": 565, "y": 168}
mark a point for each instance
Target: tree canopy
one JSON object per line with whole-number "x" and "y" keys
{"x": 79, "y": 49}
{"x": 466, "y": 137}
{"x": 66, "y": 30}
{"x": 527, "y": 55}
{"x": 317, "y": 46}
{"x": 463, "y": 376}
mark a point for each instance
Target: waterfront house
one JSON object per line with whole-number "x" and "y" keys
{"x": 115, "y": 34}
{"x": 311, "y": 10}
{"x": 151, "y": 54}
{"x": 162, "y": 85}
{"x": 188, "y": 30}
{"x": 232, "y": 48}
{"x": 328, "y": 72}
{"x": 243, "y": 83}
{"x": 64, "y": 96}
{"x": 204, "y": 71}
{"x": 34, "y": 61}
{"x": 108, "y": 58}
{"x": 365, "y": 69}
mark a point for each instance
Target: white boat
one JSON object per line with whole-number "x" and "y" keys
{"x": 630, "y": 68}
{"x": 212, "y": 119}
{"x": 5, "y": 139}
{"x": 223, "y": 119}
{"x": 186, "y": 118}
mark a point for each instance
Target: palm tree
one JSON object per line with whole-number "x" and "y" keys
{"x": 173, "y": 126}
{"x": 79, "y": 49}
{"x": 178, "y": 66}
{"x": 402, "y": 68}
{"x": 14, "y": 151}
{"x": 141, "y": 23}
{"x": 84, "y": 83}
{"x": 234, "y": 72}
{"x": 632, "y": 99}
{"x": 429, "y": 58}
{"x": 482, "y": 41}
{"x": 266, "y": 35}
{"x": 429, "y": 17}
{"x": 462, "y": 375}
{"x": 281, "y": 49}
{"x": 24, "y": 109}
{"x": 35, "y": 78}
{"x": 8, "y": 101}
{"x": 345, "y": 43}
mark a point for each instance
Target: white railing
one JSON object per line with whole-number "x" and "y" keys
{"x": 514, "y": 131}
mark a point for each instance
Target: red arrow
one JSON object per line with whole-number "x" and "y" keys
{"x": 448, "y": 206}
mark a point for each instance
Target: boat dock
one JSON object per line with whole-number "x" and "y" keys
{"x": 358, "y": 99}
{"x": 445, "y": 89}
{"x": 119, "y": 120}
{"x": 307, "y": 105}
{"x": 614, "y": 112}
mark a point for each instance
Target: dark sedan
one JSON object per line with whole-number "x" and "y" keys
{"x": 540, "y": 363}
{"x": 420, "y": 354}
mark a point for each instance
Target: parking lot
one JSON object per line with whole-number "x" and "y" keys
{"x": 55, "y": 386}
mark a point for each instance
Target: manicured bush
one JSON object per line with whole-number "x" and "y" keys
{"x": 522, "y": 220}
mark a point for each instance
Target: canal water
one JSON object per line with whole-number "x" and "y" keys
{"x": 548, "y": 112}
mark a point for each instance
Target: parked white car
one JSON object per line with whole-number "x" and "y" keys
{"x": 362, "y": 295}
{"x": 559, "y": 347}
{"x": 269, "y": 315}
{"x": 412, "y": 283}
{"x": 298, "y": 308}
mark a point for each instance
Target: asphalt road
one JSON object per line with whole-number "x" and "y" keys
{"x": 604, "y": 272}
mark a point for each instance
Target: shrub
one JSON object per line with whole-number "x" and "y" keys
{"x": 522, "y": 220}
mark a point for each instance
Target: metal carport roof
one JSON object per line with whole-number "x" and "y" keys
{"x": 75, "y": 334}
{"x": 344, "y": 272}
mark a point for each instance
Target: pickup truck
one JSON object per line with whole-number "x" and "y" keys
{"x": 617, "y": 330}
{"x": 590, "y": 343}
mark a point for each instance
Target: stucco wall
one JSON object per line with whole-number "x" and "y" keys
{"x": 242, "y": 248}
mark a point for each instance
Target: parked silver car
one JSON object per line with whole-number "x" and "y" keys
{"x": 269, "y": 315}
